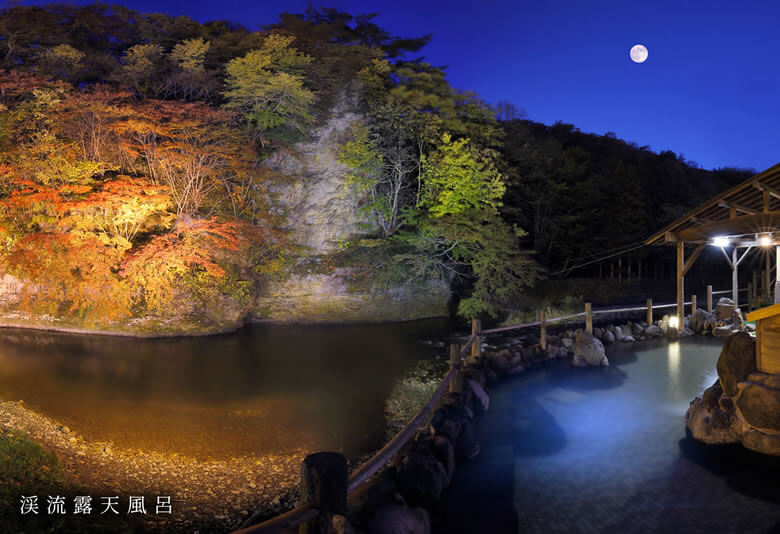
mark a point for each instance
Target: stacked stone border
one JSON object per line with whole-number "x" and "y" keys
{"x": 393, "y": 491}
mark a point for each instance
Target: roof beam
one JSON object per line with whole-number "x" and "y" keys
{"x": 763, "y": 187}
{"x": 737, "y": 207}
{"x": 692, "y": 258}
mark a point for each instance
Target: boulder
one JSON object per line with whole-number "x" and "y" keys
{"x": 725, "y": 308}
{"x": 498, "y": 362}
{"x": 752, "y": 419}
{"x": 598, "y": 332}
{"x": 569, "y": 342}
{"x": 421, "y": 477}
{"x": 636, "y": 329}
{"x": 653, "y": 331}
{"x": 395, "y": 518}
{"x": 701, "y": 320}
{"x": 619, "y": 333}
{"x": 476, "y": 375}
{"x": 628, "y": 339}
{"x": 722, "y": 331}
{"x": 609, "y": 337}
{"x": 467, "y": 445}
{"x": 737, "y": 322}
{"x": 737, "y": 360}
{"x": 588, "y": 351}
{"x": 759, "y": 406}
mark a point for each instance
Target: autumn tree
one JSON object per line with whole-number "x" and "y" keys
{"x": 266, "y": 87}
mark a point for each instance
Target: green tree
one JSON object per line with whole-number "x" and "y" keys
{"x": 266, "y": 87}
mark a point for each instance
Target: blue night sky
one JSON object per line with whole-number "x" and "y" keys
{"x": 709, "y": 90}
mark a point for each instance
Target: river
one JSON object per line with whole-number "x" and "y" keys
{"x": 262, "y": 390}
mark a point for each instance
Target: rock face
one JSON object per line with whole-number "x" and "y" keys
{"x": 737, "y": 360}
{"x": 322, "y": 212}
{"x": 588, "y": 351}
{"x": 743, "y": 406}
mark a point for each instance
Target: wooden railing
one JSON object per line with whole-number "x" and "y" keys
{"x": 452, "y": 381}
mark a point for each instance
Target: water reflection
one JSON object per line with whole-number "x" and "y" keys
{"x": 263, "y": 390}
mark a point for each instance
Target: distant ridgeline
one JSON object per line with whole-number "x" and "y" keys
{"x": 158, "y": 175}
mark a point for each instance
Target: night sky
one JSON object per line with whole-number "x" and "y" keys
{"x": 710, "y": 89}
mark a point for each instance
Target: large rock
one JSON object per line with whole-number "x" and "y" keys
{"x": 654, "y": 331}
{"x": 395, "y": 518}
{"x": 758, "y": 405}
{"x": 421, "y": 477}
{"x": 725, "y": 308}
{"x": 588, "y": 351}
{"x": 701, "y": 320}
{"x": 737, "y": 360}
{"x": 481, "y": 400}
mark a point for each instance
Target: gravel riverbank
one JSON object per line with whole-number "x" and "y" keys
{"x": 206, "y": 496}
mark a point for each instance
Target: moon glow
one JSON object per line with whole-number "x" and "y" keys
{"x": 638, "y": 53}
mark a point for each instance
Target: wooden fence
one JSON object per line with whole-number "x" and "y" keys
{"x": 305, "y": 516}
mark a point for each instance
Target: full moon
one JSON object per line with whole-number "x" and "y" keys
{"x": 638, "y": 53}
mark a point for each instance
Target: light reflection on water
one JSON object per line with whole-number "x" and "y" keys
{"x": 605, "y": 450}
{"x": 263, "y": 390}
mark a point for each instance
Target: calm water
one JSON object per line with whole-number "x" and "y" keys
{"x": 263, "y": 390}
{"x": 568, "y": 450}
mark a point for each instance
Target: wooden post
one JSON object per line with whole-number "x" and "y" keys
{"x": 767, "y": 274}
{"x": 543, "y": 334}
{"x": 324, "y": 481}
{"x": 777, "y": 274}
{"x": 476, "y": 347}
{"x": 588, "y": 318}
{"x": 649, "y": 311}
{"x": 620, "y": 271}
{"x": 693, "y": 305}
{"x": 680, "y": 258}
{"x": 456, "y": 384}
{"x": 734, "y": 276}
{"x": 709, "y": 299}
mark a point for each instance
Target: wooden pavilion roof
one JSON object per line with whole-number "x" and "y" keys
{"x": 747, "y": 209}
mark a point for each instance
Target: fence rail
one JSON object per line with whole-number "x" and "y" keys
{"x": 452, "y": 381}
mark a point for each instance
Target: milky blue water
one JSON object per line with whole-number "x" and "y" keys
{"x": 572, "y": 450}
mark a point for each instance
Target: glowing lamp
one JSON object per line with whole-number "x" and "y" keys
{"x": 720, "y": 241}
{"x": 765, "y": 240}
{"x": 674, "y": 322}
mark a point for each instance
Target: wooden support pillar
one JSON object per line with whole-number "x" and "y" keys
{"x": 734, "y": 276}
{"x": 649, "y": 311}
{"x": 324, "y": 481}
{"x": 456, "y": 384}
{"x": 767, "y": 272}
{"x": 588, "y": 318}
{"x": 709, "y": 299}
{"x": 693, "y": 305}
{"x": 680, "y": 280}
{"x": 620, "y": 271}
{"x": 476, "y": 347}
{"x": 777, "y": 274}
{"x": 543, "y": 332}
